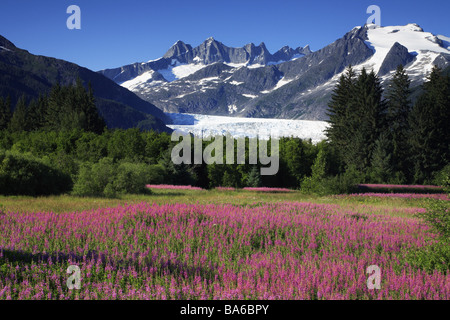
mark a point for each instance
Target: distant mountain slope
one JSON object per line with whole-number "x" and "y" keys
{"x": 215, "y": 79}
{"x": 25, "y": 73}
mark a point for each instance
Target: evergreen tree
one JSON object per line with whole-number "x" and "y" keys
{"x": 54, "y": 109}
{"x": 367, "y": 120}
{"x": 19, "y": 118}
{"x": 430, "y": 130}
{"x": 254, "y": 178}
{"x": 314, "y": 183}
{"x": 338, "y": 113}
{"x": 382, "y": 165}
{"x": 95, "y": 122}
{"x": 5, "y": 113}
{"x": 73, "y": 107}
{"x": 37, "y": 113}
{"x": 399, "y": 108}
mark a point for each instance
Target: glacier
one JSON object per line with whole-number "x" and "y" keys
{"x": 207, "y": 126}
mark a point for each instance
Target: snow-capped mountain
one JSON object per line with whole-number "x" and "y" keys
{"x": 297, "y": 83}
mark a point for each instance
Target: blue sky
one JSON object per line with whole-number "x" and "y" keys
{"x": 117, "y": 32}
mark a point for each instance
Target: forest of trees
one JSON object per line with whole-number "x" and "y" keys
{"x": 375, "y": 136}
{"x": 390, "y": 140}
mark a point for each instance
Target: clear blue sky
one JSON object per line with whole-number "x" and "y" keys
{"x": 119, "y": 32}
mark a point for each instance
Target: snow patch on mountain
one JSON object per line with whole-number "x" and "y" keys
{"x": 411, "y": 36}
{"x": 232, "y": 109}
{"x": 180, "y": 70}
{"x": 141, "y": 79}
{"x": 283, "y": 81}
{"x": 3, "y": 48}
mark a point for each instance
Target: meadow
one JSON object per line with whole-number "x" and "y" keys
{"x": 216, "y": 244}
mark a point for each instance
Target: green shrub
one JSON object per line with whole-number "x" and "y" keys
{"x": 22, "y": 174}
{"x": 94, "y": 178}
{"x": 156, "y": 174}
{"x": 344, "y": 183}
{"x": 431, "y": 258}
{"x": 132, "y": 178}
{"x": 438, "y": 217}
{"x": 442, "y": 178}
{"x": 437, "y": 255}
{"x": 109, "y": 179}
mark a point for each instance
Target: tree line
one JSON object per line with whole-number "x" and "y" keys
{"x": 65, "y": 108}
{"x": 386, "y": 138}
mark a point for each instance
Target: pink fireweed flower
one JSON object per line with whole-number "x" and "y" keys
{"x": 439, "y": 196}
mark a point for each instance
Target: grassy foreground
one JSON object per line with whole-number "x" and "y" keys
{"x": 67, "y": 203}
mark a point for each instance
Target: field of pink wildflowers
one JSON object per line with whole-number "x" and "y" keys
{"x": 187, "y": 251}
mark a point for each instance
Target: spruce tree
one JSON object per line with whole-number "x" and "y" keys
{"x": 37, "y": 114}
{"x": 254, "y": 178}
{"x": 382, "y": 160}
{"x": 19, "y": 118}
{"x": 367, "y": 120}
{"x": 5, "y": 113}
{"x": 95, "y": 122}
{"x": 338, "y": 112}
{"x": 54, "y": 108}
{"x": 430, "y": 130}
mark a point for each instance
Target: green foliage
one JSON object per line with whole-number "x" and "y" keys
{"x": 431, "y": 258}
{"x": 357, "y": 114}
{"x": 435, "y": 256}
{"x": 26, "y": 175}
{"x": 315, "y": 183}
{"x": 19, "y": 118}
{"x": 254, "y": 178}
{"x": 339, "y": 112}
{"x": 73, "y": 107}
{"x": 390, "y": 141}
{"x": 346, "y": 182}
{"x": 66, "y": 108}
{"x": 109, "y": 179}
{"x": 5, "y": 113}
{"x": 95, "y": 179}
{"x": 132, "y": 178}
{"x": 382, "y": 165}
{"x": 442, "y": 178}
{"x": 399, "y": 108}
{"x": 430, "y": 133}
{"x": 438, "y": 217}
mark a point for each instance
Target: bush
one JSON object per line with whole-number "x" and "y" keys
{"x": 93, "y": 179}
{"x": 132, "y": 178}
{"x": 108, "y": 179}
{"x": 26, "y": 175}
{"x": 438, "y": 217}
{"x": 436, "y": 256}
{"x": 340, "y": 184}
{"x": 442, "y": 178}
{"x": 156, "y": 174}
{"x": 431, "y": 258}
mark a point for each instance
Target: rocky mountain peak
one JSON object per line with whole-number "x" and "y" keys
{"x": 177, "y": 49}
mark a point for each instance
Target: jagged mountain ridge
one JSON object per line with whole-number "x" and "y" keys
{"x": 209, "y": 52}
{"x": 250, "y": 82}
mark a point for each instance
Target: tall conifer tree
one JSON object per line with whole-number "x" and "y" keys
{"x": 430, "y": 129}
{"x": 399, "y": 108}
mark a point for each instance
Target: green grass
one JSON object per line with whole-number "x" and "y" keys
{"x": 66, "y": 203}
